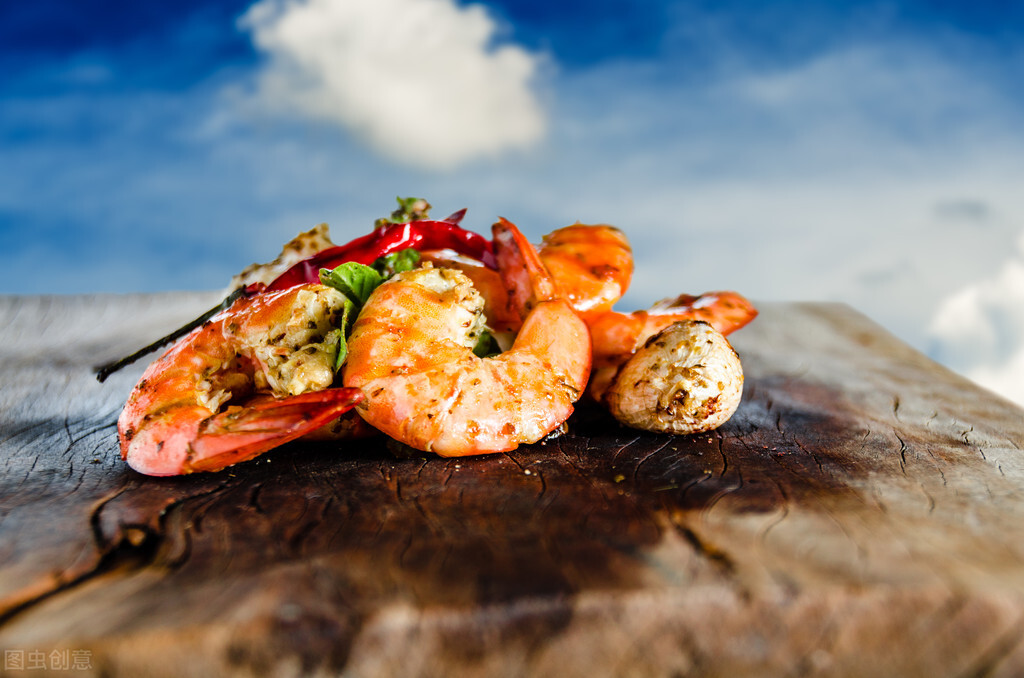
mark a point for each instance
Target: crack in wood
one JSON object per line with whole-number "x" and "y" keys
{"x": 783, "y": 513}
{"x": 903, "y": 453}
{"x": 107, "y": 557}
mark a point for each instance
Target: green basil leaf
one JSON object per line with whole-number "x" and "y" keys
{"x": 355, "y": 281}
{"x": 339, "y": 359}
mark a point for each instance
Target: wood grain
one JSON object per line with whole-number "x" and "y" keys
{"x": 860, "y": 515}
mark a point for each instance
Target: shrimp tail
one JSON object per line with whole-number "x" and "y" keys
{"x": 524, "y": 275}
{"x": 241, "y": 433}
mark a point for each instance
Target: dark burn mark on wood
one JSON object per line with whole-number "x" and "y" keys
{"x": 486, "y": 534}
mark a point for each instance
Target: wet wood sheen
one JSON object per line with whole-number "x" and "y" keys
{"x": 861, "y": 515}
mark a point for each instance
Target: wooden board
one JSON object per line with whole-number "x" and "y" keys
{"x": 861, "y": 515}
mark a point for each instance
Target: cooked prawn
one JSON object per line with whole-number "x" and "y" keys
{"x": 591, "y": 265}
{"x": 411, "y": 353}
{"x": 255, "y": 376}
{"x": 618, "y": 335}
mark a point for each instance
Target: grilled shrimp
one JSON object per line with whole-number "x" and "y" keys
{"x": 411, "y": 353}
{"x": 591, "y": 265}
{"x": 256, "y": 376}
{"x": 617, "y": 335}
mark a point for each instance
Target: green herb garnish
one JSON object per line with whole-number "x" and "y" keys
{"x": 355, "y": 281}
{"x": 409, "y": 209}
{"x": 486, "y": 346}
{"x": 404, "y": 260}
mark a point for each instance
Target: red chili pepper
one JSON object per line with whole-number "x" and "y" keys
{"x": 390, "y": 238}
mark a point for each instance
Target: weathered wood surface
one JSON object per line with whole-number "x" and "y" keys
{"x": 860, "y": 515}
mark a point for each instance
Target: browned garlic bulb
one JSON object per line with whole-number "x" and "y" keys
{"x": 685, "y": 379}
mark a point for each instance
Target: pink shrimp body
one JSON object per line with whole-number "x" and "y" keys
{"x": 617, "y": 335}
{"x": 410, "y": 351}
{"x": 255, "y": 376}
{"x": 591, "y": 265}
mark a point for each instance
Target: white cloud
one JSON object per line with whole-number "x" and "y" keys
{"x": 422, "y": 81}
{"x": 979, "y": 330}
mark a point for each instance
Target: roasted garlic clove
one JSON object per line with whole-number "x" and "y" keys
{"x": 685, "y": 379}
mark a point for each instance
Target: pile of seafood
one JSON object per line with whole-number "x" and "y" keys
{"x": 442, "y": 339}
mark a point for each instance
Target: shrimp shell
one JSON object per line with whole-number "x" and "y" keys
{"x": 592, "y": 265}
{"x": 253, "y": 377}
{"x": 410, "y": 352}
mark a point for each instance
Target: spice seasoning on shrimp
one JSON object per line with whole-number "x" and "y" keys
{"x": 253, "y": 377}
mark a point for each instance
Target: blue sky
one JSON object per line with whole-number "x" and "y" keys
{"x": 864, "y": 152}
